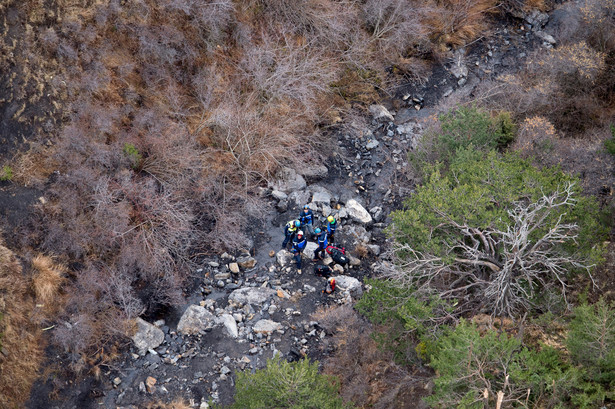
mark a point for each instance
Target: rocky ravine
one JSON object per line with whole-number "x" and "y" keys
{"x": 251, "y": 306}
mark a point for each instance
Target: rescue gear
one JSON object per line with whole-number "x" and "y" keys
{"x": 300, "y": 234}
{"x": 331, "y": 226}
{"x": 307, "y": 219}
{"x": 338, "y": 254}
{"x": 321, "y": 240}
{"x": 297, "y": 223}
{"x": 299, "y": 244}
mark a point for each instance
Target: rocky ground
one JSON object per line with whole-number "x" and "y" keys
{"x": 250, "y": 306}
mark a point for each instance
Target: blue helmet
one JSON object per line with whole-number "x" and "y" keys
{"x": 297, "y": 223}
{"x": 317, "y": 230}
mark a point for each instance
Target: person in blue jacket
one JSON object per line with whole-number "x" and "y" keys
{"x": 321, "y": 240}
{"x": 331, "y": 227}
{"x": 299, "y": 243}
{"x": 289, "y": 231}
{"x": 307, "y": 220}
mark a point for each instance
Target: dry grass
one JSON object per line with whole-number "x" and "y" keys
{"x": 47, "y": 279}
{"x": 21, "y": 339}
{"x": 176, "y": 404}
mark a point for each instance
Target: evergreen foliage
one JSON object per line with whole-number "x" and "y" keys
{"x": 284, "y": 385}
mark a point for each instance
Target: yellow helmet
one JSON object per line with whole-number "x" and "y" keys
{"x": 330, "y": 219}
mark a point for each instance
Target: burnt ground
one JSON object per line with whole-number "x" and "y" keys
{"x": 195, "y": 367}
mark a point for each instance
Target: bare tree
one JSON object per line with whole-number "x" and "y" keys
{"x": 501, "y": 270}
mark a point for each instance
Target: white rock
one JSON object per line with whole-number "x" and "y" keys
{"x": 326, "y": 210}
{"x": 545, "y": 37}
{"x": 310, "y": 248}
{"x": 229, "y": 324}
{"x": 338, "y": 269}
{"x": 251, "y": 295}
{"x": 371, "y": 144}
{"x": 358, "y": 212}
{"x": 283, "y": 257}
{"x": 148, "y": 336}
{"x": 380, "y": 112}
{"x": 350, "y": 285}
{"x": 234, "y": 267}
{"x": 354, "y": 261}
{"x": 266, "y": 326}
{"x": 196, "y": 320}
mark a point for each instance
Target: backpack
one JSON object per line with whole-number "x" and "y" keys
{"x": 339, "y": 257}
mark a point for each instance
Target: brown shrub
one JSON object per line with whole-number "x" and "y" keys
{"x": 47, "y": 279}
{"x": 20, "y": 337}
{"x": 367, "y": 373}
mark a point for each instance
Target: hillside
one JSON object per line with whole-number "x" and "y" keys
{"x": 153, "y": 151}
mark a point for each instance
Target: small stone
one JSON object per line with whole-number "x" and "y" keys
{"x": 234, "y": 267}
{"x": 223, "y": 276}
{"x": 117, "y": 381}
{"x": 225, "y": 370}
{"x": 150, "y": 383}
{"x": 279, "y": 195}
{"x": 220, "y": 284}
{"x": 254, "y": 351}
{"x": 246, "y": 262}
{"x": 213, "y": 264}
{"x": 271, "y": 253}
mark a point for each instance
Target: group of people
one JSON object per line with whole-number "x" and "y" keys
{"x": 295, "y": 234}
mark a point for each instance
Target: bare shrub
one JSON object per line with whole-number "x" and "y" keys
{"x": 367, "y": 373}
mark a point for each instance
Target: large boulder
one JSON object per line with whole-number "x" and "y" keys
{"x": 289, "y": 180}
{"x": 350, "y": 285}
{"x": 310, "y": 248}
{"x": 357, "y": 234}
{"x": 320, "y": 195}
{"x": 283, "y": 257}
{"x": 148, "y": 336}
{"x": 251, "y": 295}
{"x": 266, "y": 326}
{"x": 313, "y": 172}
{"x": 300, "y": 197}
{"x": 229, "y": 324}
{"x": 196, "y": 320}
{"x": 358, "y": 212}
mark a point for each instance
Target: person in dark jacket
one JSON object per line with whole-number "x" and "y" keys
{"x": 289, "y": 231}
{"x": 299, "y": 243}
{"x": 321, "y": 240}
{"x": 331, "y": 227}
{"x": 322, "y": 270}
{"x": 307, "y": 220}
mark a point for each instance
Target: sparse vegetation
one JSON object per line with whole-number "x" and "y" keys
{"x": 6, "y": 174}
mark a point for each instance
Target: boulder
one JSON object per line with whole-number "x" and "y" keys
{"x": 338, "y": 269}
{"x": 246, "y": 262}
{"x": 310, "y": 248}
{"x": 314, "y": 172}
{"x": 320, "y": 195}
{"x": 350, "y": 285}
{"x": 376, "y": 213}
{"x": 283, "y": 257}
{"x": 379, "y": 112}
{"x": 354, "y": 261}
{"x": 279, "y": 195}
{"x": 358, "y": 212}
{"x": 266, "y": 326}
{"x": 374, "y": 249}
{"x": 229, "y": 323}
{"x": 196, "y": 320}
{"x": 300, "y": 197}
{"x": 251, "y": 295}
{"x": 148, "y": 336}
{"x": 358, "y": 234}
{"x": 289, "y": 180}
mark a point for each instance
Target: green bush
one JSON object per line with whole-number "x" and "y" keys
{"x": 591, "y": 342}
{"x": 472, "y": 368}
{"x": 609, "y": 144}
{"x": 133, "y": 154}
{"x": 6, "y": 174}
{"x": 284, "y": 385}
{"x": 471, "y": 126}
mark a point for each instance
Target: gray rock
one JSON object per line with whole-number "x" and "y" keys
{"x": 229, "y": 324}
{"x": 266, "y": 327}
{"x": 358, "y": 212}
{"x": 300, "y": 197}
{"x": 374, "y": 248}
{"x": 354, "y": 261}
{"x": 326, "y": 210}
{"x": 196, "y": 320}
{"x": 148, "y": 336}
{"x": 313, "y": 172}
{"x": 283, "y": 257}
{"x": 282, "y": 206}
{"x": 320, "y": 195}
{"x": 246, "y": 262}
{"x": 358, "y": 234}
{"x": 371, "y": 144}
{"x": 376, "y": 213}
{"x": 379, "y": 112}
{"x": 279, "y": 195}
{"x": 350, "y": 285}
{"x": 289, "y": 180}
{"x": 545, "y": 37}
{"x": 251, "y": 295}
